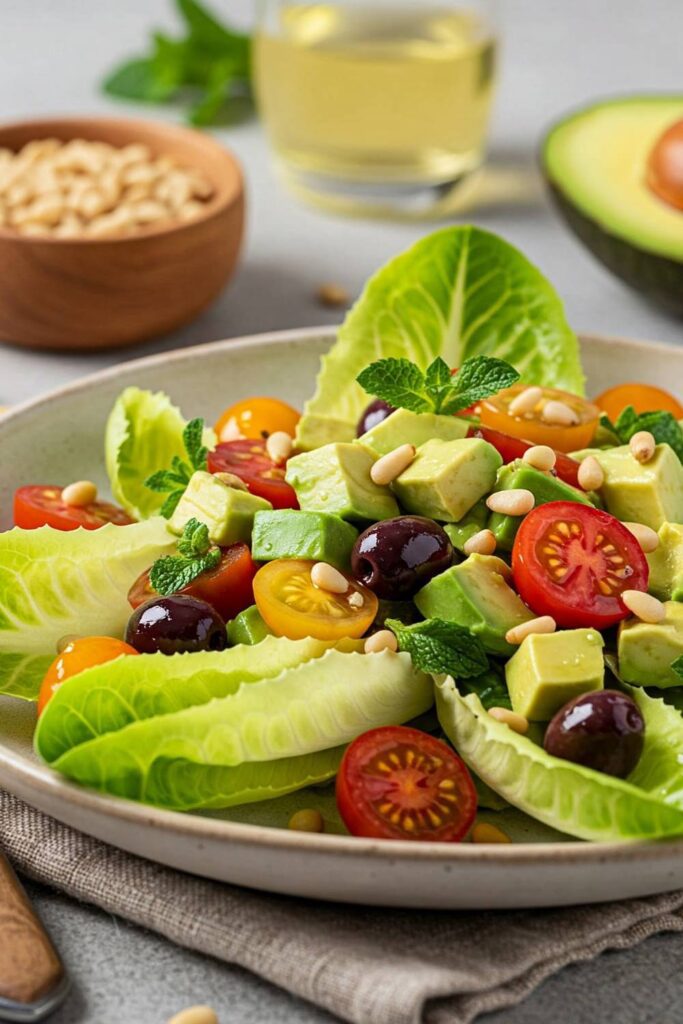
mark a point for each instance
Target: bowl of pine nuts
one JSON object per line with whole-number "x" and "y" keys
{"x": 112, "y": 230}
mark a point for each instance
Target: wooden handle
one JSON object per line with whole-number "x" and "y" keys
{"x": 29, "y": 965}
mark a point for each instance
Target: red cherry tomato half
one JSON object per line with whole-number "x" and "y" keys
{"x": 573, "y": 562}
{"x": 511, "y": 448}
{"x": 249, "y": 461}
{"x": 37, "y": 505}
{"x": 400, "y": 783}
{"x": 227, "y": 587}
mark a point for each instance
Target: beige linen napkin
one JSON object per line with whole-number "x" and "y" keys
{"x": 366, "y": 966}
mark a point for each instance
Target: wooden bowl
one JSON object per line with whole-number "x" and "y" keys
{"x": 100, "y": 293}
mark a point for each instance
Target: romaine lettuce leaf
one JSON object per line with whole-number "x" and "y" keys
{"x": 567, "y": 796}
{"x": 263, "y": 739}
{"x": 53, "y": 583}
{"x": 458, "y": 293}
{"x": 143, "y": 434}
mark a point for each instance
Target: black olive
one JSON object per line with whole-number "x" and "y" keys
{"x": 396, "y": 557}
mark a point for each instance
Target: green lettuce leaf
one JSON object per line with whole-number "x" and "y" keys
{"x": 263, "y": 739}
{"x": 458, "y": 293}
{"x": 567, "y": 796}
{"x": 53, "y": 583}
{"x": 143, "y": 435}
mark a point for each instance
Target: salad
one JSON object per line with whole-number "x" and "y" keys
{"x": 452, "y": 582}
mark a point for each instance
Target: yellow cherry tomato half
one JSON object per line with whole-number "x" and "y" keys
{"x": 292, "y": 606}
{"x": 256, "y": 418}
{"x": 76, "y": 657}
{"x": 643, "y": 398}
{"x": 531, "y": 426}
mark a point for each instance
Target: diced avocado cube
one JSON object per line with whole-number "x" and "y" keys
{"x": 550, "y": 669}
{"x": 649, "y": 493}
{"x": 228, "y": 512}
{"x": 475, "y": 520}
{"x": 666, "y": 564}
{"x": 336, "y": 479}
{"x": 288, "y": 533}
{"x": 247, "y": 628}
{"x": 446, "y": 478}
{"x": 406, "y": 427}
{"x": 646, "y": 649}
{"x": 476, "y": 594}
{"x": 315, "y": 431}
{"x": 544, "y": 488}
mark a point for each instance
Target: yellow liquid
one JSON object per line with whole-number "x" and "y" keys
{"x": 377, "y": 94}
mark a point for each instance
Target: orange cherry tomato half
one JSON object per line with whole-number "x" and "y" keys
{"x": 291, "y": 605}
{"x": 399, "y": 783}
{"x": 250, "y": 462}
{"x": 256, "y": 418}
{"x": 665, "y": 167}
{"x": 76, "y": 657}
{"x": 574, "y": 561}
{"x": 643, "y": 398}
{"x": 494, "y": 413}
{"x": 42, "y": 505}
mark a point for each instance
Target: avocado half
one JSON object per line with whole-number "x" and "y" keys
{"x": 595, "y": 164}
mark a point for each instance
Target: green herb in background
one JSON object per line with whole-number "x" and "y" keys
{"x": 173, "y": 481}
{"x": 196, "y": 554}
{"x": 663, "y": 426}
{"x": 209, "y": 68}
{"x": 441, "y": 647}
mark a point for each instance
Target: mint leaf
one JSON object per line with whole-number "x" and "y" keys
{"x": 195, "y": 539}
{"x": 398, "y": 382}
{"x": 174, "y": 480}
{"x": 174, "y": 572}
{"x": 192, "y": 437}
{"x": 677, "y": 666}
{"x": 441, "y": 647}
{"x": 490, "y": 687}
{"x": 171, "y": 503}
{"x": 438, "y": 382}
{"x": 663, "y": 426}
{"x": 478, "y": 378}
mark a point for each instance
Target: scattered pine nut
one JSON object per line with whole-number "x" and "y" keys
{"x": 543, "y": 624}
{"x": 279, "y": 446}
{"x": 591, "y": 474}
{"x": 326, "y": 577}
{"x": 65, "y": 640}
{"x": 517, "y": 723}
{"x": 332, "y": 295}
{"x": 195, "y": 1015}
{"x": 558, "y": 414}
{"x": 231, "y": 431}
{"x": 483, "y": 832}
{"x": 307, "y": 820}
{"x": 541, "y": 457}
{"x": 644, "y": 606}
{"x": 481, "y": 543}
{"x": 642, "y": 446}
{"x": 645, "y": 535}
{"x": 356, "y": 599}
{"x": 230, "y": 480}
{"x": 515, "y": 502}
{"x": 382, "y": 640}
{"x": 391, "y": 465}
{"x": 525, "y": 401}
{"x": 79, "y": 494}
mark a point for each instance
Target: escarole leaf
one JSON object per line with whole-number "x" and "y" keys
{"x": 144, "y": 435}
{"x": 567, "y": 796}
{"x": 458, "y": 293}
{"x": 53, "y": 583}
{"x": 264, "y": 738}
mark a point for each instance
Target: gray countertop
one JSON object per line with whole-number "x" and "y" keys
{"x": 555, "y": 56}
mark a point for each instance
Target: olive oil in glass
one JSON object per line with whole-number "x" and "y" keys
{"x": 378, "y": 104}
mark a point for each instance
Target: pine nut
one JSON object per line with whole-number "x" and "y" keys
{"x": 148, "y": 211}
{"x": 79, "y": 494}
{"x": 195, "y": 1015}
{"x": 189, "y": 210}
{"x": 356, "y": 599}
{"x": 230, "y": 480}
{"x": 645, "y": 535}
{"x": 525, "y": 401}
{"x": 481, "y": 543}
{"x": 644, "y": 606}
{"x": 591, "y": 474}
{"x": 391, "y": 465}
{"x": 515, "y": 502}
{"x": 332, "y": 295}
{"x": 642, "y": 446}
{"x": 279, "y": 446}
{"x": 307, "y": 820}
{"x": 326, "y": 577}
{"x": 558, "y": 414}
{"x": 383, "y": 640}
{"x": 483, "y": 832}
{"x": 517, "y": 723}
{"x": 231, "y": 432}
{"x": 543, "y": 624}
{"x": 541, "y": 457}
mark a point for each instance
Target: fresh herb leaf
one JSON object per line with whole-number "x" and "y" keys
{"x": 490, "y": 688}
{"x": 192, "y": 437}
{"x": 441, "y": 647}
{"x": 677, "y": 666}
{"x": 196, "y": 555}
{"x": 398, "y": 381}
{"x": 663, "y": 426}
{"x": 478, "y": 378}
{"x": 173, "y": 481}
{"x": 195, "y": 539}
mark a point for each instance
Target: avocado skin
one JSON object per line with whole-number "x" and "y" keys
{"x": 658, "y": 278}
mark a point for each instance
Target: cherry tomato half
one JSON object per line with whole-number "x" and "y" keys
{"x": 76, "y": 657}
{"x": 400, "y": 783}
{"x": 573, "y": 561}
{"x": 643, "y": 398}
{"x": 495, "y": 413}
{"x": 257, "y": 418}
{"x": 227, "y": 588}
{"x": 291, "y": 605}
{"x": 511, "y": 448}
{"x": 249, "y": 461}
{"x": 36, "y": 506}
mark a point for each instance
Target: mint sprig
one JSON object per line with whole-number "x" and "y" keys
{"x": 403, "y": 384}
{"x": 196, "y": 555}
{"x": 174, "y": 480}
{"x": 490, "y": 687}
{"x": 663, "y": 426}
{"x": 677, "y": 666}
{"x": 438, "y": 646}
